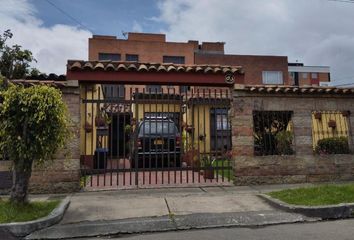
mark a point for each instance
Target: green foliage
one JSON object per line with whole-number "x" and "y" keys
{"x": 33, "y": 124}
{"x": 333, "y": 145}
{"x": 284, "y": 141}
{"x": 10, "y": 212}
{"x": 14, "y": 61}
{"x": 316, "y": 196}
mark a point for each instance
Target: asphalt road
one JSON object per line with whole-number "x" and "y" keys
{"x": 328, "y": 230}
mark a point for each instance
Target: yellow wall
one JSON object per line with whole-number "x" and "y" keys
{"x": 198, "y": 116}
{"x": 321, "y": 130}
{"x": 88, "y": 113}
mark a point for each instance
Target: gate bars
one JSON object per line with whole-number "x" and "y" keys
{"x": 153, "y": 136}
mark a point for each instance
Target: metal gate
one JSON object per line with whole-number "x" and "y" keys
{"x": 154, "y": 136}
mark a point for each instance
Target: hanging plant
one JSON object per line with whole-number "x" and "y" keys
{"x": 345, "y": 113}
{"x": 318, "y": 115}
{"x": 332, "y": 124}
{"x": 88, "y": 127}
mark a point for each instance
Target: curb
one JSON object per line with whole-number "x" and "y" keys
{"x": 167, "y": 223}
{"x": 20, "y": 229}
{"x": 343, "y": 210}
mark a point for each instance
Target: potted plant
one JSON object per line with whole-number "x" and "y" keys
{"x": 207, "y": 162}
{"x": 345, "y": 113}
{"x": 318, "y": 115}
{"x": 102, "y": 119}
{"x": 332, "y": 124}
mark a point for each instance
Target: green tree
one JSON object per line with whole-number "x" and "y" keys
{"x": 33, "y": 126}
{"x": 14, "y": 61}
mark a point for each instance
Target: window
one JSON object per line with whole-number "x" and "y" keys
{"x": 153, "y": 88}
{"x": 220, "y": 129}
{"x": 132, "y": 58}
{"x": 273, "y": 133}
{"x": 314, "y": 75}
{"x": 329, "y": 124}
{"x": 304, "y": 75}
{"x": 272, "y": 77}
{"x": 173, "y": 59}
{"x": 113, "y": 91}
{"x": 109, "y": 56}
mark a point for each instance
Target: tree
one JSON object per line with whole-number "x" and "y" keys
{"x": 33, "y": 126}
{"x": 14, "y": 61}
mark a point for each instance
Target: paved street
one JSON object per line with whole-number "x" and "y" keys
{"x": 339, "y": 230}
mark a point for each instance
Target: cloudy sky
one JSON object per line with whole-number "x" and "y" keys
{"x": 316, "y": 32}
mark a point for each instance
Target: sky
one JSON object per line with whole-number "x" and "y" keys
{"x": 315, "y": 32}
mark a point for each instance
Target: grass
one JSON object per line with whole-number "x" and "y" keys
{"x": 317, "y": 196}
{"x": 10, "y": 212}
{"x": 227, "y": 173}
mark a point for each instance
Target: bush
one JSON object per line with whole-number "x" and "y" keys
{"x": 333, "y": 145}
{"x": 284, "y": 142}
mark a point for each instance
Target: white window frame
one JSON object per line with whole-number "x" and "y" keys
{"x": 272, "y": 77}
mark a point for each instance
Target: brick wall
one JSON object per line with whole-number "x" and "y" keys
{"x": 252, "y": 65}
{"x": 150, "y": 48}
{"x": 62, "y": 174}
{"x": 304, "y": 166}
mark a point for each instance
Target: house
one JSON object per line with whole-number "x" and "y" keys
{"x": 230, "y": 125}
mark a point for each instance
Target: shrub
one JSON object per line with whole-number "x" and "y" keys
{"x": 284, "y": 142}
{"x": 333, "y": 145}
{"x": 33, "y": 126}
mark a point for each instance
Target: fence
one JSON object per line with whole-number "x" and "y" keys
{"x": 148, "y": 136}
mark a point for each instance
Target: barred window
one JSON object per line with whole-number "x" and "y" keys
{"x": 329, "y": 124}
{"x": 273, "y": 133}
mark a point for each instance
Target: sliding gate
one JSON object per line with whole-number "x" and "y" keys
{"x": 154, "y": 136}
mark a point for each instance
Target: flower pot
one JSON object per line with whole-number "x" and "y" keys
{"x": 88, "y": 127}
{"x": 332, "y": 124}
{"x": 209, "y": 173}
{"x": 345, "y": 113}
{"x": 318, "y": 115}
{"x": 100, "y": 121}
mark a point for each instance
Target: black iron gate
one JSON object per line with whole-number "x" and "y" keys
{"x": 153, "y": 136}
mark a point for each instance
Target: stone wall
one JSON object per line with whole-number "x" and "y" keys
{"x": 62, "y": 174}
{"x": 304, "y": 166}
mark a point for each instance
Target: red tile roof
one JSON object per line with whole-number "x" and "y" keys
{"x": 292, "y": 89}
{"x": 77, "y": 65}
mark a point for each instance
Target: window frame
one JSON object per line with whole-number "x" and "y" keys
{"x": 266, "y": 78}
{"x": 132, "y": 55}
{"x": 107, "y": 58}
{"x": 173, "y": 59}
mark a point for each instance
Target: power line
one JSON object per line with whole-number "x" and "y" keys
{"x": 68, "y": 15}
{"x": 343, "y": 1}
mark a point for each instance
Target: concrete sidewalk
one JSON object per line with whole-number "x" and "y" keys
{"x": 114, "y": 212}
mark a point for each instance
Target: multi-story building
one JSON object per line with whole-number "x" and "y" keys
{"x": 301, "y": 75}
{"x": 153, "y": 48}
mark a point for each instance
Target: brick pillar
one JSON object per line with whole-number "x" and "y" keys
{"x": 62, "y": 174}
{"x": 242, "y": 133}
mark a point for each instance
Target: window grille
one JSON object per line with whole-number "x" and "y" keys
{"x": 273, "y": 133}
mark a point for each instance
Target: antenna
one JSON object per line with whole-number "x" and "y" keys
{"x": 125, "y": 34}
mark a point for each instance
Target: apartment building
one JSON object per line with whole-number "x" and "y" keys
{"x": 300, "y": 75}
{"x": 153, "y": 48}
